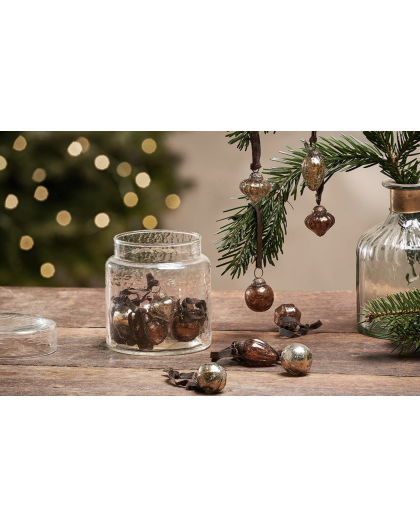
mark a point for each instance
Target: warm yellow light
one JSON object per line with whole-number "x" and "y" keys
{"x": 102, "y": 162}
{"x": 47, "y": 270}
{"x": 85, "y": 143}
{"x": 3, "y": 163}
{"x": 39, "y": 175}
{"x": 143, "y": 180}
{"x": 124, "y": 169}
{"x": 63, "y": 218}
{"x": 11, "y": 201}
{"x": 41, "y": 193}
{"x": 149, "y": 146}
{"x": 172, "y": 201}
{"x": 26, "y": 243}
{"x": 20, "y": 143}
{"x": 149, "y": 222}
{"x": 75, "y": 149}
{"x": 102, "y": 220}
{"x": 131, "y": 199}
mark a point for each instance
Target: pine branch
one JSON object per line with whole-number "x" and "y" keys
{"x": 397, "y": 318}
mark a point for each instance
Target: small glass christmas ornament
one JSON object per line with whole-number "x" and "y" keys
{"x": 319, "y": 221}
{"x": 255, "y": 187}
{"x": 259, "y": 296}
{"x": 296, "y": 359}
{"x": 190, "y": 316}
{"x": 253, "y": 352}
{"x": 286, "y": 310}
{"x": 313, "y": 169}
{"x": 163, "y": 307}
{"x": 210, "y": 378}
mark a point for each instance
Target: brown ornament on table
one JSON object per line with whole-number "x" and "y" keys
{"x": 253, "y": 352}
{"x": 319, "y": 221}
{"x": 255, "y": 187}
{"x": 259, "y": 296}
{"x": 286, "y": 310}
{"x": 313, "y": 169}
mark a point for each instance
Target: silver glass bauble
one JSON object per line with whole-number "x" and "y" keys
{"x": 296, "y": 359}
{"x": 163, "y": 307}
{"x": 255, "y": 187}
{"x": 211, "y": 378}
{"x": 313, "y": 169}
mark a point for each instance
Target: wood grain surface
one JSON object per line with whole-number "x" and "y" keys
{"x": 345, "y": 362}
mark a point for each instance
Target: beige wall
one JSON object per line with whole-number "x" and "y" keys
{"x": 356, "y": 199}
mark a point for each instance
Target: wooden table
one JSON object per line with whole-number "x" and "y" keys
{"x": 345, "y": 362}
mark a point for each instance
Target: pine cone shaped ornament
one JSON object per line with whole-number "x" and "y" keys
{"x": 255, "y": 187}
{"x": 319, "y": 221}
{"x": 313, "y": 169}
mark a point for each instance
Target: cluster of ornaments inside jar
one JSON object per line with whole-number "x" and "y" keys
{"x": 145, "y": 317}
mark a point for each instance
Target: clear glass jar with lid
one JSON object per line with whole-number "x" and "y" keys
{"x": 158, "y": 294}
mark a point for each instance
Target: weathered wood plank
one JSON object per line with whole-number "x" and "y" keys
{"x": 56, "y": 381}
{"x": 85, "y": 308}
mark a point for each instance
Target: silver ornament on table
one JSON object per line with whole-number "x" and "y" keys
{"x": 211, "y": 378}
{"x": 313, "y": 169}
{"x": 255, "y": 187}
{"x": 296, "y": 359}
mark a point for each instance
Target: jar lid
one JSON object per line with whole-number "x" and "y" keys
{"x": 24, "y": 336}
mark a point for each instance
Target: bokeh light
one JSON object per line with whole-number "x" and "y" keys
{"x": 143, "y": 180}
{"x": 102, "y": 220}
{"x": 124, "y": 169}
{"x": 63, "y": 218}
{"x": 47, "y": 270}
{"x": 75, "y": 149}
{"x": 26, "y": 243}
{"x": 149, "y": 222}
{"x": 102, "y": 162}
{"x": 11, "y": 201}
{"x": 172, "y": 201}
{"x": 149, "y": 146}
{"x": 20, "y": 143}
{"x": 85, "y": 144}
{"x": 3, "y": 163}
{"x": 131, "y": 199}
{"x": 41, "y": 193}
{"x": 39, "y": 175}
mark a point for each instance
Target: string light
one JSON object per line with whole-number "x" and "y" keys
{"x": 20, "y": 143}
{"x": 63, "y": 218}
{"x": 85, "y": 144}
{"x": 3, "y": 163}
{"x": 41, "y": 193}
{"x": 75, "y": 149}
{"x": 26, "y": 243}
{"x": 124, "y": 169}
{"x": 11, "y": 201}
{"x": 143, "y": 180}
{"x": 172, "y": 201}
{"x": 47, "y": 270}
{"x": 131, "y": 199}
{"x": 102, "y": 162}
{"x": 102, "y": 220}
{"x": 39, "y": 175}
{"x": 149, "y": 222}
{"x": 149, "y": 146}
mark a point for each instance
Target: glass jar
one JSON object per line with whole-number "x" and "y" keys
{"x": 158, "y": 294}
{"x": 388, "y": 255}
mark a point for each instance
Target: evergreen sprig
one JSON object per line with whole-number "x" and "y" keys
{"x": 392, "y": 152}
{"x": 397, "y": 318}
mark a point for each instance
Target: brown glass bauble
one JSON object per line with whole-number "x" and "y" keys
{"x": 184, "y": 331}
{"x": 259, "y": 296}
{"x": 255, "y": 187}
{"x": 286, "y": 310}
{"x": 256, "y": 353}
{"x": 319, "y": 221}
{"x": 156, "y": 330}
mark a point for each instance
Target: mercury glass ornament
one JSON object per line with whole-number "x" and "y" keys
{"x": 120, "y": 324}
{"x": 184, "y": 331}
{"x": 313, "y": 169}
{"x": 211, "y": 378}
{"x": 163, "y": 307}
{"x": 256, "y": 353}
{"x": 286, "y": 310}
{"x": 259, "y": 296}
{"x": 319, "y": 221}
{"x": 296, "y": 359}
{"x": 156, "y": 330}
{"x": 255, "y": 187}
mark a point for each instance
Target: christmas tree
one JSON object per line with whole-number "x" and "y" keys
{"x": 64, "y": 195}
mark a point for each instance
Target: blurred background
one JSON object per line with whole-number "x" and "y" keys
{"x": 64, "y": 195}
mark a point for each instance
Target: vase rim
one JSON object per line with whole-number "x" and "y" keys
{"x": 126, "y": 239}
{"x": 391, "y": 184}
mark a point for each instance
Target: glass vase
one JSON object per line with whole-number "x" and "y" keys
{"x": 158, "y": 294}
{"x": 388, "y": 255}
